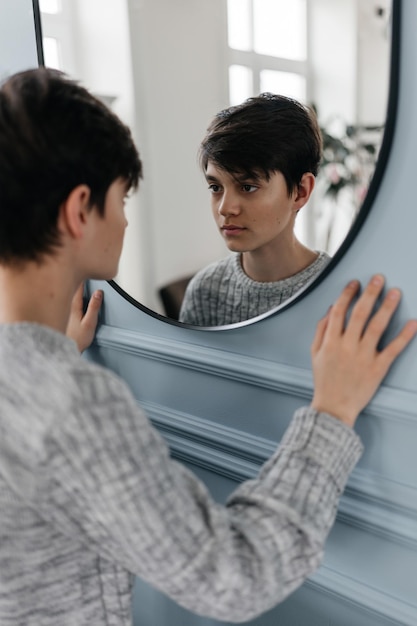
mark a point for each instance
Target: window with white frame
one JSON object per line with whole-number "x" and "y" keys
{"x": 267, "y": 42}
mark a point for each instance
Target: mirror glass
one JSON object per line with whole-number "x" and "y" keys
{"x": 166, "y": 68}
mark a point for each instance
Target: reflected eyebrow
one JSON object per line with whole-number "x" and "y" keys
{"x": 240, "y": 179}
{"x": 211, "y": 179}
{"x": 246, "y": 179}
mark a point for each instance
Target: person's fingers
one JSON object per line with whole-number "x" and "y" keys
{"x": 340, "y": 308}
{"x": 91, "y": 315}
{"x": 379, "y": 322}
{"x": 363, "y": 308}
{"x": 347, "y": 365}
{"x": 388, "y": 355}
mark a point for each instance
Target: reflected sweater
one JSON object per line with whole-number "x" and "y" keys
{"x": 222, "y": 293}
{"x": 89, "y": 496}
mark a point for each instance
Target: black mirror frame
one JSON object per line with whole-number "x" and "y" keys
{"x": 38, "y": 31}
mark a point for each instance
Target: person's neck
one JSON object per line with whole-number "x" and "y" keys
{"x": 40, "y": 293}
{"x": 273, "y": 264}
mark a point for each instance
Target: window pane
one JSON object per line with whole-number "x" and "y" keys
{"x": 50, "y": 6}
{"x": 280, "y": 28}
{"x": 239, "y": 25}
{"x": 284, "y": 83}
{"x": 240, "y": 83}
{"x": 51, "y": 53}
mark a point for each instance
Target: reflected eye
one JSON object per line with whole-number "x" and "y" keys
{"x": 247, "y": 188}
{"x": 213, "y": 188}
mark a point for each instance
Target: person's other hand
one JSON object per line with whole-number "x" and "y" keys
{"x": 347, "y": 365}
{"x": 82, "y": 326}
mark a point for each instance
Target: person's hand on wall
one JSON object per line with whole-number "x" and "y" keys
{"x": 348, "y": 367}
{"x": 82, "y": 325}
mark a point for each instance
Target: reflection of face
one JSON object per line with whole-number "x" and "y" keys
{"x": 251, "y": 214}
{"x": 109, "y": 231}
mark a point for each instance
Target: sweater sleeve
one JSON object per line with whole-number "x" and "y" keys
{"x": 108, "y": 482}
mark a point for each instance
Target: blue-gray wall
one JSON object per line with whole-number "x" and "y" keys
{"x": 224, "y": 398}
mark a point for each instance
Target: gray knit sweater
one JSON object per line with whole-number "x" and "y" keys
{"x": 89, "y": 496}
{"x": 222, "y": 293}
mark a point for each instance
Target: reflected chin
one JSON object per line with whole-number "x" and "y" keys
{"x": 234, "y": 245}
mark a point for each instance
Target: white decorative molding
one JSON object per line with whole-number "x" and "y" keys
{"x": 388, "y": 403}
{"x": 378, "y": 516}
{"x": 206, "y": 360}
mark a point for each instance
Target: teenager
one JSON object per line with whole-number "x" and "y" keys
{"x": 260, "y": 160}
{"x": 89, "y": 495}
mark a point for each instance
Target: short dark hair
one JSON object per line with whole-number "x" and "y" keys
{"x": 54, "y": 136}
{"x": 264, "y": 134}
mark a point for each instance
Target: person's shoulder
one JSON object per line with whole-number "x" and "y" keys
{"x": 55, "y": 358}
{"x": 100, "y": 410}
{"x": 319, "y": 263}
{"x": 323, "y": 257}
{"x": 93, "y": 381}
{"x": 54, "y": 393}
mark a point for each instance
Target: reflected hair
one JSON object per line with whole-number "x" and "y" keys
{"x": 265, "y": 134}
{"x": 54, "y": 136}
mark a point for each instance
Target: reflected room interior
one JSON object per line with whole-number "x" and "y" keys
{"x": 166, "y": 69}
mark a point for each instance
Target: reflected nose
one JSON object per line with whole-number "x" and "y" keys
{"x": 229, "y": 204}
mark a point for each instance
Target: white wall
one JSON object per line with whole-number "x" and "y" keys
{"x": 373, "y": 58}
{"x": 333, "y": 54}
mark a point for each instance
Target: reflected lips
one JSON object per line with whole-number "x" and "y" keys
{"x": 232, "y": 230}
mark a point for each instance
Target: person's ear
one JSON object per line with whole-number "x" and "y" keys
{"x": 304, "y": 190}
{"x": 74, "y": 211}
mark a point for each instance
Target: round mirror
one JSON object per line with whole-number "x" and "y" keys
{"x": 167, "y": 68}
